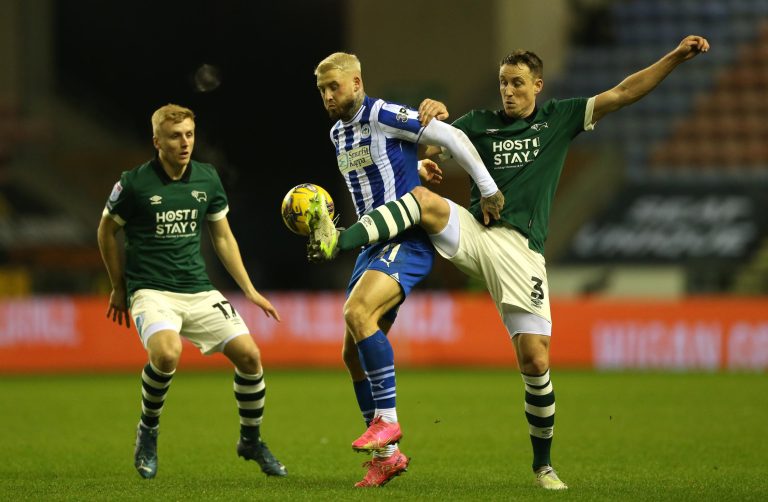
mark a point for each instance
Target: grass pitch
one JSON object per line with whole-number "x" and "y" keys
{"x": 619, "y": 436}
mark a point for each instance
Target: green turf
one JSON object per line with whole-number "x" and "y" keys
{"x": 619, "y": 436}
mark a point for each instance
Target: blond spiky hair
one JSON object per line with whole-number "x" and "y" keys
{"x": 342, "y": 61}
{"x": 174, "y": 113}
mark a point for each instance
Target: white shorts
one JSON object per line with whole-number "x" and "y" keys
{"x": 514, "y": 274}
{"x": 206, "y": 319}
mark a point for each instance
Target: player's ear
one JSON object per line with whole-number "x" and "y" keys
{"x": 538, "y": 85}
{"x": 358, "y": 82}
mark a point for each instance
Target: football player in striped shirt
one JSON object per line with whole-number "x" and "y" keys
{"x": 524, "y": 145}
{"x": 376, "y": 145}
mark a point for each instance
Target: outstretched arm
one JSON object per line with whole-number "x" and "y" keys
{"x": 229, "y": 253}
{"x": 110, "y": 253}
{"x": 644, "y": 81}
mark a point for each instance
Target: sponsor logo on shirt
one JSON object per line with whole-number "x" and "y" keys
{"x": 354, "y": 159}
{"x": 178, "y": 223}
{"x": 514, "y": 153}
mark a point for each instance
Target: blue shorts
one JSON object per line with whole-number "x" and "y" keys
{"x": 407, "y": 258}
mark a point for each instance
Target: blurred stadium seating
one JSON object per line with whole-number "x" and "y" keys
{"x": 46, "y": 233}
{"x": 701, "y": 130}
{"x": 724, "y": 133}
{"x": 704, "y": 124}
{"x": 671, "y": 130}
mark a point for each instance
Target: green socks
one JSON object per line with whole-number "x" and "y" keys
{"x": 382, "y": 223}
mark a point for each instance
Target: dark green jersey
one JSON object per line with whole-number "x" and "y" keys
{"x": 525, "y": 157}
{"x": 163, "y": 220}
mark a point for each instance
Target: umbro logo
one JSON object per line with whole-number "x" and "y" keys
{"x": 491, "y": 131}
{"x": 155, "y": 200}
{"x": 539, "y": 126}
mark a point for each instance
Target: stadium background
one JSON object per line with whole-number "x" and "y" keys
{"x": 657, "y": 254}
{"x": 657, "y": 257}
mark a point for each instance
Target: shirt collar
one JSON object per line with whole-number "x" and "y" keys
{"x": 158, "y": 167}
{"x": 509, "y": 120}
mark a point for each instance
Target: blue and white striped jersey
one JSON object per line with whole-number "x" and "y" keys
{"x": 376, "y": 153}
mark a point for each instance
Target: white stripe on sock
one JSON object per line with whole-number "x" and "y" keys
{"x": 151, "y": 397}
{"x": 403, "y": 210}
{"x": 541, "y": 432}
{"x": 389, "y": 220}
{"x": 371, "y": 373}
{"x": 251, "y": 405}
{"x": 536, "y": 380}
{"x": 540, "y": 411}
{"x": 412, "y": 206}
{"x": 370, "y": 228}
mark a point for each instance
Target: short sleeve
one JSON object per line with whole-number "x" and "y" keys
{"x": 120, "y": 204}
{"x": 589, "y": 123}
{"x": 219, "y": 205}
{"x": 574, "y": 113}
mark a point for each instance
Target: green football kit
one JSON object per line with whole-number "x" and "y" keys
{"x": 525, "y": 158}
{"x": 162, "y": 219}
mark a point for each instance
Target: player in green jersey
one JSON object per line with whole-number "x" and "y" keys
{"x": 161, "y": 207}
{"x": 524, "y": 146}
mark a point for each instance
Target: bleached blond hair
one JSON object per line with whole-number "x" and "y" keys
{"x": 174, "y": 113}
{"x": 342, "y": 61}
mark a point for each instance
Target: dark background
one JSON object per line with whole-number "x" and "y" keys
{"x": 264, "y": 127}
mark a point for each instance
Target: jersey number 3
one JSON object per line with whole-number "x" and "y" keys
{"x": 537, "y": 295}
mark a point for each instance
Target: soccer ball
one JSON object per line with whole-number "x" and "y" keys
{"x": 296, "y": 202}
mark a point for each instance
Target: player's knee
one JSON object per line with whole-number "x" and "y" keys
{"x": 434, "y": 209}
{"x": 427, "y": 199}
{"x": 166, "y": 359}
{"x": 250, "y": 361}
{"x": 356, "y": 316}
{"x": 350, "y": 356}
{"x": 535, "y": 365}
{"x": 164, "y": 348}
